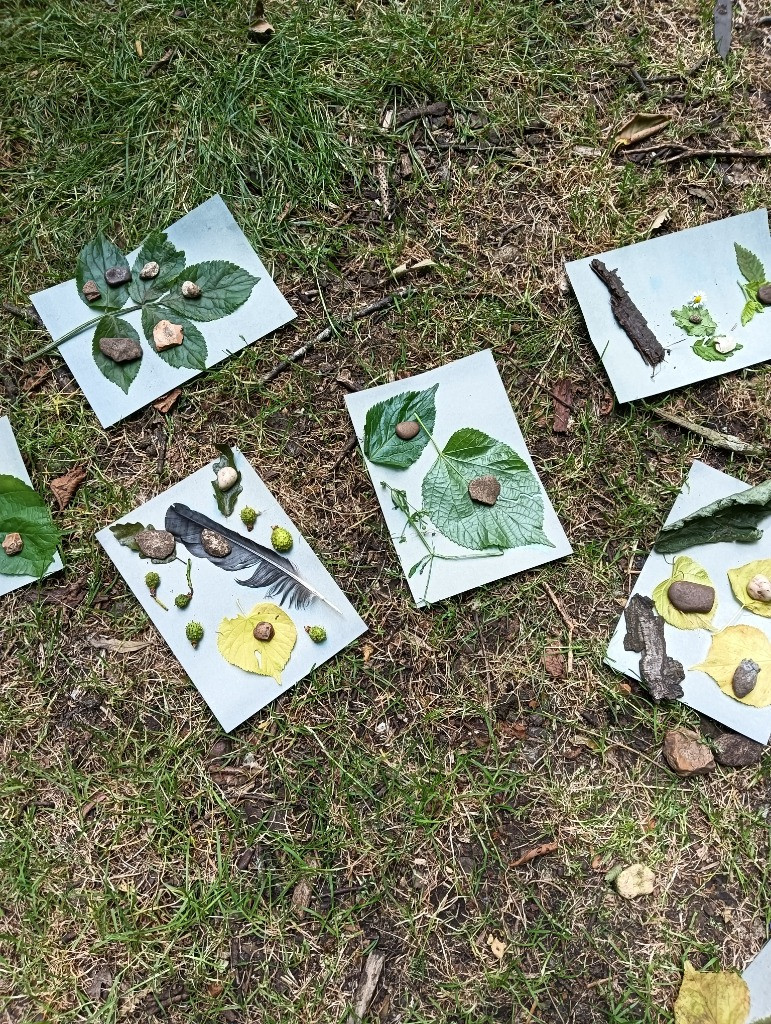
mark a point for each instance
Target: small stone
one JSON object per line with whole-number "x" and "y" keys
{"x": 686, "y": 754}
{"x": 166, "y": 335}
{"x": 764, "y": 294}
{"x": 484, "y": 489}
{"x": 215, "y": 544}
{"x": 120, "y": 350}
{"x": 736, "y": 751}
{"x": 190, "y": 290}
{"x": 149, "y": 271}
{"x": 263, "y": 631}
{"x": 226, "y": 478}
{"x": 156, "y": 543}
{"x": 695, "y": 318}
{"x": 407, "y": 429}
{"x": 91, "y": 291}
{"x": 745, "y": 677}
{"x": 117, "y": 275}
{"x": 636, "y": 880}
{"x": 696, "y": 598}
{"x": 759, "y": 588}
{"x": 13, "y": 544}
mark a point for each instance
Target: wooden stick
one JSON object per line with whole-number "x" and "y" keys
{"x": 27, "y": 314}
{"x": 365, "y": 311}
{"x": 714, "y": 437}
{"x": 628, "y": 316}
{"x": 286, "y": 363}
{"x": 413, "y": 113}
{"x": 716, "y": 154}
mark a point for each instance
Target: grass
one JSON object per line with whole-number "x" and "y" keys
{"x": 151, "y": 865}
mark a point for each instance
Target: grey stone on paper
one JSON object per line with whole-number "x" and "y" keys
{"x": 208, "y": 232}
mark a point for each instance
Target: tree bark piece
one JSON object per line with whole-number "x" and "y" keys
{"x": 645, "y": 636}
{"x": 365, "y": 990}
{"x": 628, "y": 316}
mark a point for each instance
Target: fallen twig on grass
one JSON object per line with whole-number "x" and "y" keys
{"x": 286, "y": 363}
{"x": 23, "y": 313}
{"x": 413, "y": 113}
{"x": 365, "y": 990}
{"x": 714, "y": 437}
{"x": 162, "y": 63}
{"x": 537, "y": 851}
{"x": 361, "y": 314}
{"x": 349, "y": 447}
{"x": 718, "y": 154}
{"x": 381, "y": 175}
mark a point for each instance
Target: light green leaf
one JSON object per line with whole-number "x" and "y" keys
{"x": 749, "y": 265}
{"x": 191, "y": 354}
{"x": 239, "y": 647}
{"x": 752, "y": 304}
{"x": 739, "y": 579}
{"x": 226, "y": 500}
{"x": 156, "y": 248}
{"x": 687, "y": 571}
{"x": 705, "y": 349}
{"x": 682, "y": 317}
{"x": 515, "y": 520}
{"x": 122, "y": 374}
{"x": 224, "y": 287}
{"x": 381, "y": 445}
{"x": 124, "y": 533}
{"x": 734, "y": 518}
{"x": 94, "y": 259}
{"x": 24, "y": 512}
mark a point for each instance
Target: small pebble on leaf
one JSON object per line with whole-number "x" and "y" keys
{"x": 691, "y": 597}
{"x": 759, "y": 588}
{"x": 120, "y": 350}
{"x": 227, "y": 477}
{"x": 149, "y": 271}
{"x": 215, "y": 544}
{"x": 91, "y": 291}
{"x": 407, "y": 429}
{"x": 764, "y": 294}
{"x": 484, "y": 489}
{"x": 166, "y": 335}
{"x": 745, "y": 677}
{"x": 263, "y": 631}
{"x": 190, "y": 290}
{"x": 156, "y": 543}
{"x": 117, "y": 275}
{"x": 13, "y": 544}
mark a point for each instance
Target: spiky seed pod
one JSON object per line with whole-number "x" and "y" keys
{"x": 317, "y": 634}
{"x": 153, "y": 581}
{"x": 249, "y": 517}
{"x": 183, "y": 600}
{"x": 281, "y": 539}
{"x": 194, "y": 633}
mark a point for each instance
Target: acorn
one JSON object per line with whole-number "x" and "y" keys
{"x": 317, "y": 634}
{"x": 183, "y": 600}
{"x": 281, "y": 539}
{"x": 194, "y": 633}
{"x": 249, "y": 517}
{"x": 153, "y": 581}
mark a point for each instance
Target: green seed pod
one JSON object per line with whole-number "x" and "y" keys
{"x": 194, "y": 633}
{"x": 281, "y": 539}
{"x": 153, "y": 581}
{"x": 249, "y": 517}
{"x": 317, "y": 634}
{"x": 183, "y": 600}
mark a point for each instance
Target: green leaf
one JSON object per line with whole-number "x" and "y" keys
{"x": 706, "y": 328}
{"x": 94, "y": 259}
{"x": 684, "y": 570}
{"x": 226, "y": 500}
{"x": 191, "y": 354}
{"x": 749, "y": 265}
{"x": 752, "y": 304}
{"x": 515, "y": 520}
{"x": 156, "y": 248}
{"x": 381, "y": 445}
{"x": 124, "y": 533}
{"x": 734, "y": 518}
{"x": 706, "y": 350}
{"x": 122, "y": 374}
{"x": 24, "y": 512}
{"x": 224, "y": 287}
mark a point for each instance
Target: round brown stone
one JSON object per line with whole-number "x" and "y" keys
{"x": 263, "y": 631}
{"x": 215, "y": 544}
{"x": 91, "y": 291}
{"x": 156, "y": 543}
{"x": 117, "y": 275}
{"x": 764, "y": 294}
{"x": 484, "y": 489}
{"x": 691, "y": 597}
{"x": 13, "y": 544}
{"x": 407, "y": 429}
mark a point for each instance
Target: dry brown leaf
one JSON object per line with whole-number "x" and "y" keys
{"x": 537, "y": 851}
{"x": 562, "y": 393}
{"x": 554, "y": 664}
{"x": 367, "y": 651}
{"x": 89, "y": 805}
{"x": 719, "y": 997}
{"x": 117, "y": 646}
{"x": 659, "y": 220}
{"x": 70, "y": 595}
{"x": 64, "y": 487}
{"x": 639, "y": 127}
{"x": 166, "y": 403}
{"x": 37, "y": 380}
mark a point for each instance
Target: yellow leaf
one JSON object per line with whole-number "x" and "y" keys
{"x": 238, "y": 645}
{"x": 684, "y": 570}
{"x": 731, "y": 646}
{"x": 741, "y": 577}
{"x": 639, "y": 127}
{"x": 717, "y": 998}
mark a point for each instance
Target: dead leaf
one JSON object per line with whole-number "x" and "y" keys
{"x": 138, "y": 47}
{"x": 89, "y": 805}
{"x": 700, "y": 193}
{"x": 117, "y": 646}
{"x": 69, "y": 596}
{"x": 64, "y": 487}
{"x": 365, "y": 990}
{"x": 215, "y": 988}
{"x": 659, "y": 220}
{"x": 37, "y": 380}
{"x": 497, "y": 948}
{"x": 166, "y": 403}
{"x": 719, "y": 997}
{"x": 98, "y": 986}
{"x": 366, "y": 653}
{"x": 562, "y": 393}
{"x": 636, "y": 880}
{"x": 537, "y": 851}
{"x": 554, "y": 664}
{"x": 639, "y": 127}
{"x": 301, "y": 896}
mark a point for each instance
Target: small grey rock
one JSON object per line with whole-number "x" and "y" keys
{"x": 407, "y": 429}
{"x": 156, "y": 543}
{"x": 91, "y": 291}
{"x": 764, "y": 294}
{"x": 745, "y": 677}
{"x": 215, "y": 544}
{"x": 190, "y": 290}
{"x": 117, "y": 275}
{"x": 149, "y": 271}
{"x": 263, "y": 631}
{"x": 691, "y": 597}
{"x": 736, "y": 751}
{"x": 484, "y": 489}
{"x": 13, "y": 544}
{"x": 120, "y": 350}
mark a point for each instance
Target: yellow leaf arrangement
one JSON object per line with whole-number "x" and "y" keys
{"x": 684, "y": 570}
{"x": 731, "y": 646}
{"x": 238, "y": 645}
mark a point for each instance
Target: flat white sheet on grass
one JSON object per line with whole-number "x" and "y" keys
{"x": 691, "y": 646}
{"x": 11, "y": 463}
{"x": 470, "y": 394}
{"x": 662, "y": 274}
{"x": 758, "y": 978}
{"x": 232, "y": 694}
{"x": 208, "y": 232}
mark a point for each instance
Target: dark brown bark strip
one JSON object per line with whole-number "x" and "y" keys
{"x": 645, "y": 636}
{"x": 628, "y": 316}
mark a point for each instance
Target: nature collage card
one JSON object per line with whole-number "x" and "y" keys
{"x": 758, "y": 978}
{"x": 454, "y": 478}
{"x": 717, "y": 620}
{"x": 28, "y": 537}
{"x": 695, "y": 302}
{"x": 183, "y": 301}
{"x": 237, "y": 593}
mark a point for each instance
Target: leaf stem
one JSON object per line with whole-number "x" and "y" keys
{"x": 78, "y": 330}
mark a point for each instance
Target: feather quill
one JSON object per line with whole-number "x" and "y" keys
{"x": 274, "y": 573}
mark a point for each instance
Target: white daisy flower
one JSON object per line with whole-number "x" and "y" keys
{"x": 725, "y": 343}
{"x": 698, "y": 299}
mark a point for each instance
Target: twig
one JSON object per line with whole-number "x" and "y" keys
{"x": 349, "y": 447}
{"x": 714, "y": 437}
{"x": 286, "y": 363}
{"x": 381, "y": 174}
{"x": 161, "y": 443}
{"x": 413, "y": 113}
{"x": 688, "y": 73}
{"x": 27, "y": 314}
{"x": 560, "y": 608}
{"x": 365, "y": 311}
{"x": 628, "y": 316}
{"x": 716, "y": 154}
{"x": 162, "y": 63}
{"x": 537, "y": 851}
{"x": 638, "y": 79}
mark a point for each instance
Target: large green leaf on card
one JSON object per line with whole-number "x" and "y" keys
{"x": 516, "y": 518}
{"x": 156, "y": 248}
{"x": 94, "y": 260}
{"x": 381, "y": 444}
{"x": 715, "y": 997}
{"x": 122, "y": 374}
{"x": 685, "y": 570}
{"x": 224, "y": 287}
{"x": 191, "y": 354}
{"x": 24, "y": 512}
{"x": 734, "y": 518}
{"x": 749, "y": 265}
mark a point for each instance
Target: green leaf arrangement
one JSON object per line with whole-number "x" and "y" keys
{"x": 125, "y": 534}
{"x": 381, "y": 445}
{"x": 734, "y": 518}
{"x": 754, "y": 274}
{"x": 224, "y": 288}
{"x": 24, "y": 512}
{"x": 704, "y": 332}
{"x": 226, "y": 500}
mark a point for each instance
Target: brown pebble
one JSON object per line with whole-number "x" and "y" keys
{"x": 155, "y": 543}
{"x": 190, "y": 290}
{"x": 13, "y": 544}
{"x": 215, "y": 544}
{"x": 691, "y": 597}
{"x": 745, "y": 677}
{"x": 166, "y": 335}
{"x": 407, "y": 429}
{"x": 764, "y": 294}
{"x": 263, "y": 631}
{"x": 484, "y": 489}
{"x": 149, "y": 271}
{"x": 91, "y": 291}
{"x": 120, "y": 350}
{"x": 117, "y": 275}
{"x": 694, "y": 318}
{"x": 686, "y": 754}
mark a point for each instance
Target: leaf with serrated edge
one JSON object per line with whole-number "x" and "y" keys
{"x": 224, "y": 287}
{"x": 156, "y": 248}
{"x": 684, "y": 570}
{"x": 94, "y": 259}
{"x": 717, "y": 997}
{"x": 705, "y": 350}
{"x": 23, "y": 511}
{"x": 728, "y": 648}
{"x": 226, "y": 500}
{"x": 239, "y": 647}
{"x": 191, "y": 354}
{"x": 381, "y": 445}
{"x": 125, "y": 533}
{"x": 734, "y": 518}
{"x": 749, "y": 265}
{"x": 122, "y": 374}
{"x": 706, "y": 328}
{"x": 741, "y": 576}
{"x": 515, "y": 520}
